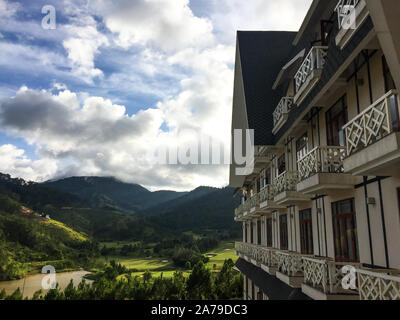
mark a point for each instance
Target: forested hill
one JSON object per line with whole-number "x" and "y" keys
{"x": 100, "y": 192}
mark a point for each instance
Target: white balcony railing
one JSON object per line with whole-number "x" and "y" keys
{"x": 254, "y": 202}
{"x": 344, "y": 10}
{"x": 252, "y": 251}
{"x": 286, "y": 181}
{"x": 268, "y": 257}
{"x": 378, "y": 285}
{"x": 325, "y": 275}
{"x": 282, "y": 109}
{"x": 322, "y": 160}
{"x": 267, "y": 193}
{"x": 290, "y": 263}
{"x": 372, "y": 124}
{"x": 314, "y": 60}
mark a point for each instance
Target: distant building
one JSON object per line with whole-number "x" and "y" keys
{"x": 325, "y": 190}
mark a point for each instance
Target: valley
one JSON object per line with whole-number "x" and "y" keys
{"x": 41, "y": 224}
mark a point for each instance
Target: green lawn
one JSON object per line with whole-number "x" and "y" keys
{"x": 158, "y": 266}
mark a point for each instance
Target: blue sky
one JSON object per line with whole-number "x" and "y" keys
{"x": 117, "y": 78}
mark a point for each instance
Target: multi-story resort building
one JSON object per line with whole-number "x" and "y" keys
{"x": 321, "y": 208}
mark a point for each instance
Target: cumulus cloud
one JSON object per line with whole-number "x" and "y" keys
{"x": 7, "y": 9}
{"x": 14, "y": 162}
{"x": 165, "y": 24}
{"x": 159, "y": 48}
{"x": 98, "y": 138}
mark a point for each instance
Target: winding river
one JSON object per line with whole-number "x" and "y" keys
{"x": 32, "y": 283}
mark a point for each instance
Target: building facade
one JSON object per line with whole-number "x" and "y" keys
{"x": 321, "y": 208}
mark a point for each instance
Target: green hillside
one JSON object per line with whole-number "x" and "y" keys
{"x": 111, "y": 193}
{"x": 29, "y": 241}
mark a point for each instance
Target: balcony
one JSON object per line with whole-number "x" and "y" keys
{"x": 310, "y": 72}
{"x": 269, "y": 260}
{"x": 321, "y": 171}
{"x": 290, "y": 268}
{"x": 249, "y": 252}
{"x": 323, "y": 279}
{"x": 351, "y": 14}
{"x": 285, "y": 189}
{"x": 281, "y": 113}
{"x": 373, "y": 139}
{"x": 267, "y": 203}
{"x": 254, "y": 206}
{"x": 382, "y": 285}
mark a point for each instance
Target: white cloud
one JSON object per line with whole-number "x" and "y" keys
{"x": 82, "y": 45}
{"x": 97, "y": 138}
{"x": 7, "y": 9}
{"x": 159, "y": 48}
{"x": 231, "y": 15}
{"x": 165, "y": 24}
{"x": 14, "y": 162}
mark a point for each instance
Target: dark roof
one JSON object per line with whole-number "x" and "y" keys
{"x": 274, "y": 288}
{"x": 262, "y": 54}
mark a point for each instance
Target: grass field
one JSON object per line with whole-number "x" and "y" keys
{"x": 158, "y": 266}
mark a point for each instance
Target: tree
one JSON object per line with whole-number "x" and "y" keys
{"x": 200, "y": 284}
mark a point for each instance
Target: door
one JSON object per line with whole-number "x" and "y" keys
{"x": 306, "y": 232}
{"x": 283, "y": 231}
{"x": 336, "y": 118}
{"x": 398, "y": 196}
{"x": 390, "y": 85}
{"x": 301, "y": 147}
{"x": 259, "y": 232}
{"x": 269, "y": 232}
{"x": 345, "y": 231}
{"x": 252, "y": 233}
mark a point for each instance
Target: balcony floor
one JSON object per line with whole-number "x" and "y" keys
{"x": 381, "y": 158}
{"x": 327, "y": 183}
{"x": 289, "y": 198}
{"x": 316, "y": 294}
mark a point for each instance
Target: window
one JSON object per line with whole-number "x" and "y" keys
{"x": 281, "y": 164}
{"x": 390, "y": 85}
{"x": 264, "y": 178}
{"x": 345, "y": 231}
{"x": 301, "y": 147}
{"x": 389, "y": 82}
{"x": 283, "y": 230}
{"x": 306, "y": 232}
{"x": 269, "y": 232}
{"x": 259, "y": 232}
{"x": 398, "y": 197}
{"x": 336, "y": 118}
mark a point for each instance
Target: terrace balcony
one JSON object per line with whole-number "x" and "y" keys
{"x": 281, "y": 113}
{"x": 269, "y": 260}
{"x": 254, "y": 206}
{"x": 285, "y": 189}
{"x": 321, "y": 171}
{"x": 249, "y": 252}
{"x": 351, "y": 14}
{"x": 266, "y": 198}
{"x": 373, "y": 139}
{"x": 290, "y": 268}
{"x": 323, "y": 279}
{"x": 310, "y": 72}
{"x": 378, "y": 285}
